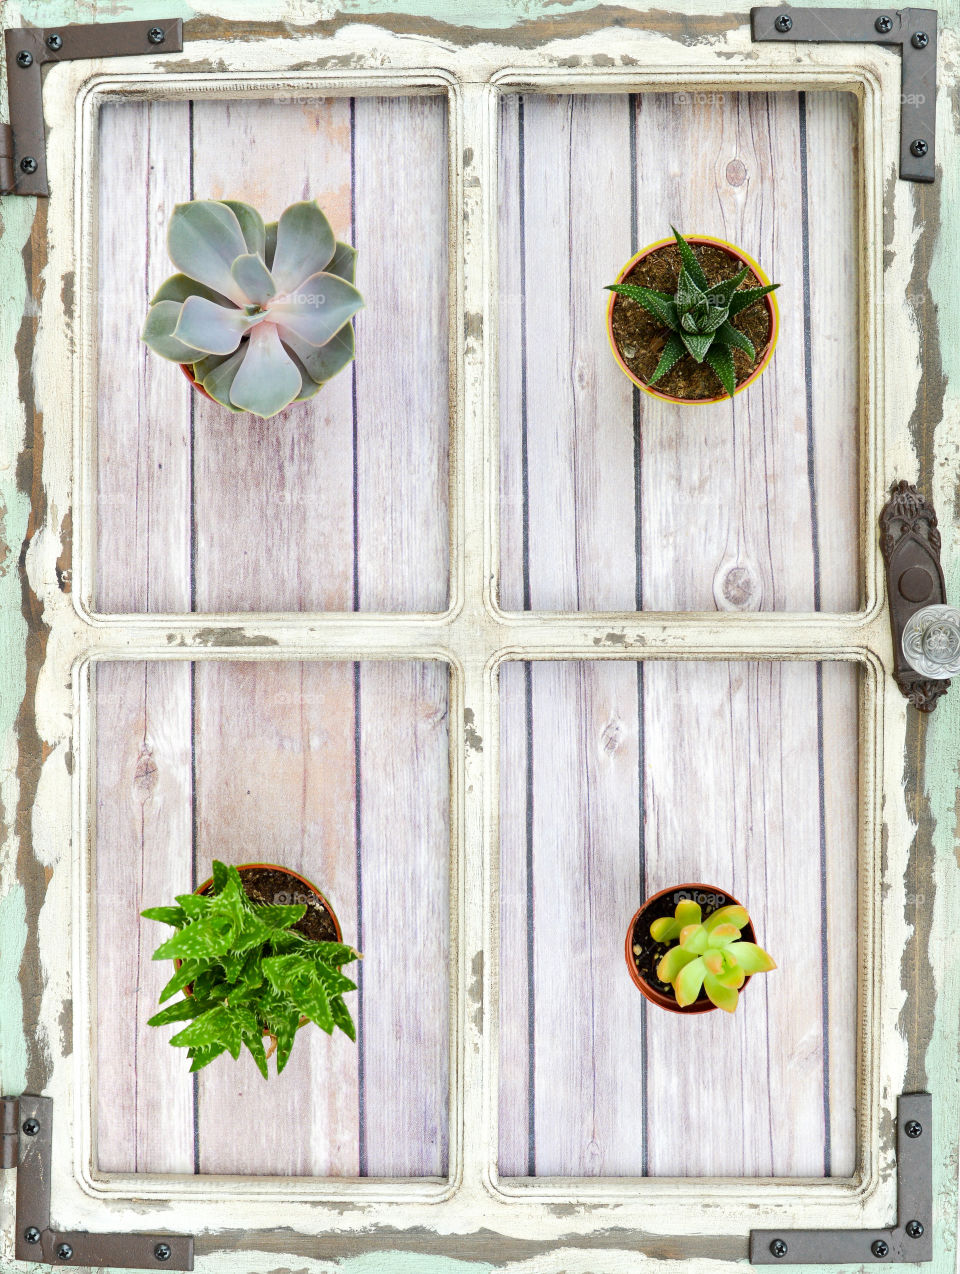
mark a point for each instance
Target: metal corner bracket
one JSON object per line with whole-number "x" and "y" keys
{"x": 23, "y": 150}
{"x": 913, "y": 30}
{"x": 26, "y": 1138}
{"x": 910, "y": 1240}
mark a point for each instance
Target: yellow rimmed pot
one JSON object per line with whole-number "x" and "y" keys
{"x": 636, "y": 345}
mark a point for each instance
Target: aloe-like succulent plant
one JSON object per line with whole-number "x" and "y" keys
{"x": 708, "y": 954}
{"x": 248, "y": 975}
{"x": 698, "y": 316}
{"x": 259, "y": 313}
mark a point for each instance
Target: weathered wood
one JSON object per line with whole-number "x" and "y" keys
{"x": 732, "y": 775}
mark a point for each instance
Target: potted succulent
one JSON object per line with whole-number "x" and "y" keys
{"x": 694, "y": 317}
{"x": 257, "y": 953}
{"x": 260, "y": 315}
{"x": 692, "y": 948}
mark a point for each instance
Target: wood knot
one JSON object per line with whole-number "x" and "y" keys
{"x": 737, "y": 588}
{"x": 736, "y": 172}
{"x": 146, "y": 776}
{"x": 611, "y": 736}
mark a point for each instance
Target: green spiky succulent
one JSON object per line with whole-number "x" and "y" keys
{"x": 698, "y": 316}
{"x": 261, "y": 314}
{"x": 248, "y": 975}
{"x": 708, "y": 954}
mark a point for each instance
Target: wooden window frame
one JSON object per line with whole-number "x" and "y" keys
{"x": 474, "y": 636}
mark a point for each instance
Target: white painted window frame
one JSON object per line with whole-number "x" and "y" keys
{"x": 474, "y": 636}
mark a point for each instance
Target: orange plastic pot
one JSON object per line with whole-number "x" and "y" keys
{"x": 697, "y": 892}
{"x": 769, "y": 300}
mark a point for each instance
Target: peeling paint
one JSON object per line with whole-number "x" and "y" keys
{"x": 473, "y": 740}
{"x": 231, "y": 637}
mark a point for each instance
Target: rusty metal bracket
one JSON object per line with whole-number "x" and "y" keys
{"x": 26, "y": 1124}
{"x": 911, "y": 1239}
{"x": 23, "y": 149}
{"x": 914, "y": 31}
{"x": 910, "y": 543}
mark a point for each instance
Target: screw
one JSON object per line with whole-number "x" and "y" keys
{"x": 778, "y": 1248}
{"x": 914, "y": 1229}
{"x": 156, "y": 35}
{"x": 32, "y": 1235}
{"x": 162, "y": 1252}
{"x": 920, "y": 39}
{"x": 913, "y": 1127}
{"x": 24, "y": 58}
{"x": 784, "y": 23}
{"x": 31, "y": 1127}
{"x": 879, "y": 1249}
{"x": 29, "y": 165}
{"x": 54, "y": 42}
{"x": 883, "y": 24}
{"x": 64, "y": 1251}
{"x": 918, "y": 149}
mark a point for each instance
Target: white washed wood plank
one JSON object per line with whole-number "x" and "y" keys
{"x": 144, "y": 1096}
{"x": 275, "y": 782}
{"x": 579, "y": 435}
{"x": 404, "y": 851}
{"x": 273, "y": 499}
{"x": 143, "y": 418}
{"x": 401, "y": 370}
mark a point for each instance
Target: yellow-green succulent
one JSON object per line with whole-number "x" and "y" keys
{"x": 708, "y": 954}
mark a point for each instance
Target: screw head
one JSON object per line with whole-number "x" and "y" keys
{"x": 914, "y": 1229}
{"x": 883, "y": 24}
{"x": 29, "y": 165}
{"x": 879, "y": 1248}
{"x": 913, "y": 1127}
{"x": 54, "y": 42}
{"x": 30, "y": 1126}
{"x": 162, "y": 1252}
{"x": 156, "y": 35}
{"x": 778, "y": 1248}
{"x": 32, "y": 1235}
{"x": 919, "y": 39}
{"x": 24, "y": 58}
{"x": 784, "y": 23}
{"x": 65, "y": 1251}
{"x": 918, "y": 149}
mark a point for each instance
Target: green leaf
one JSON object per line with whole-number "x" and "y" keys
{"x": 179, "y": 286}
{"x": 305, "y": 244}
{"x": 221, "y": 875}
{"x": 673, "y": 962}
{"x": 309, "y": 994}
{"x": 729, "y": 335}
{"x": 689, "y": 293}
{"x": 656, "y": 303}
{"x": 195, "y": 905}
{"x": 334, "y": 982}
{"x": 672, "y": 352}
{"x": 733, "y": 914}
{"x": 180, "y": 1011}
{"x": 281, "y": 916}
{"x": 688, "y": 912}
{"x": 158, "y": 334}
{"x": 284, "y": 1022}
{"x": 724, "y": 997}
{"x": 204, "y": 1056}
{"x": 688, "y": 982}
{"x": 251, "y": 224}
{"x": 721, "y": 360}
{"x": 182, "y": 977}
{"x": 665, "y": 928}
{"x": 726, "y": 287}
{"x": 212, "y": 328}
{"x": 253, "y": 278}
{"x": 335, "y": 953}
{"x": 694, "y": 938}
{"x": 689, "y": 259}
{"x": 751, "y": 958}
{"x": 254, "y": 1043}
{"x": 204, "y": 239}
{"x": 317, "y": 309}
{"x": 323, "y": 362}
{"x": 267, "y": 380}
{"x": 697, "y": 346}
{"x": 343, "y": 263}
{"x": 740, "y": 300}
{"x": 219, "y": 1025}
{"x": 219, "y": 379}
{"x": 204, "y": 939}
{"x": 722, "y": 936}
{"x": 342, "y": 1018}
{"x": 175, "y": 916}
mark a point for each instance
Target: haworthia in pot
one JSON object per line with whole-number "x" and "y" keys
{"x": 259, "y": 313}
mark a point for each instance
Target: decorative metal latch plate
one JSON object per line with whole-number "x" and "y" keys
{"x": 23, "y": 150}
{"x": 910, "y": 543}
{"x": 26, "y": 1137}
{"x": 911, "y": 1239}
{"x": 913, "y": 30}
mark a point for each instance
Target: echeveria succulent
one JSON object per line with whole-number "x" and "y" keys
{"x": 698, "y": 316}
{"x": 248, "y": 974}
{"x": 260, "y": 313}
{"x": 708, "y": 955}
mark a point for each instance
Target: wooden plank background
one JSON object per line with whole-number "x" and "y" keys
{"x": 612, "y": 500}
{"x": 339, "y": 503}
{"x": 339, "y": 771}
{"x": 620, "y": 779}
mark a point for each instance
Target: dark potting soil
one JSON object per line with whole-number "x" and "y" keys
{"x": 640, "y": 337}
{"x": 268, "y": 887}
{"x": 651, "y": 953}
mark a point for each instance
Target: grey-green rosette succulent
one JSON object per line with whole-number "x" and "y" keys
{"x": 259, "y": 314}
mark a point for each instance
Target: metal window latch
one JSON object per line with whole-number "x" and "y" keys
{"x": 23, "y": 152}
{"x": 911, "y": 1239}
{"x": 913, "y": 30}
{"x": 925, "y": 630}
{"x": 26, "y": 1137}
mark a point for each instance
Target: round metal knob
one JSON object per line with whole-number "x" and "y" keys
{"x": 913, "y": 1128}
{"x": 931, "y": 642}
{"x": 784, "y": 23}
{"x": 156, "y": 35}
{"x": 879, "y": 1249}
{"x": 24, "y": 58}
{"x": 778, "y": 1248}
{"x": 31, "y": 1127}
{"x": 32, "y": 1234}
{"x": 914, "y": 1229}
{"x": 162, "y": 1252}
{"x": 55, "y": 42}
{"x": 918, "y": 148}
{"x": 65, "y": 1252}
{"x": 884, "y": 24}
{"x": 920, "y": 39}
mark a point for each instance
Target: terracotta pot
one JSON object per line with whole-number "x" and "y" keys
{"x": 187, "y": 369}
{"x": 677, "y": 893}
{"x": 769, "y": 300}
